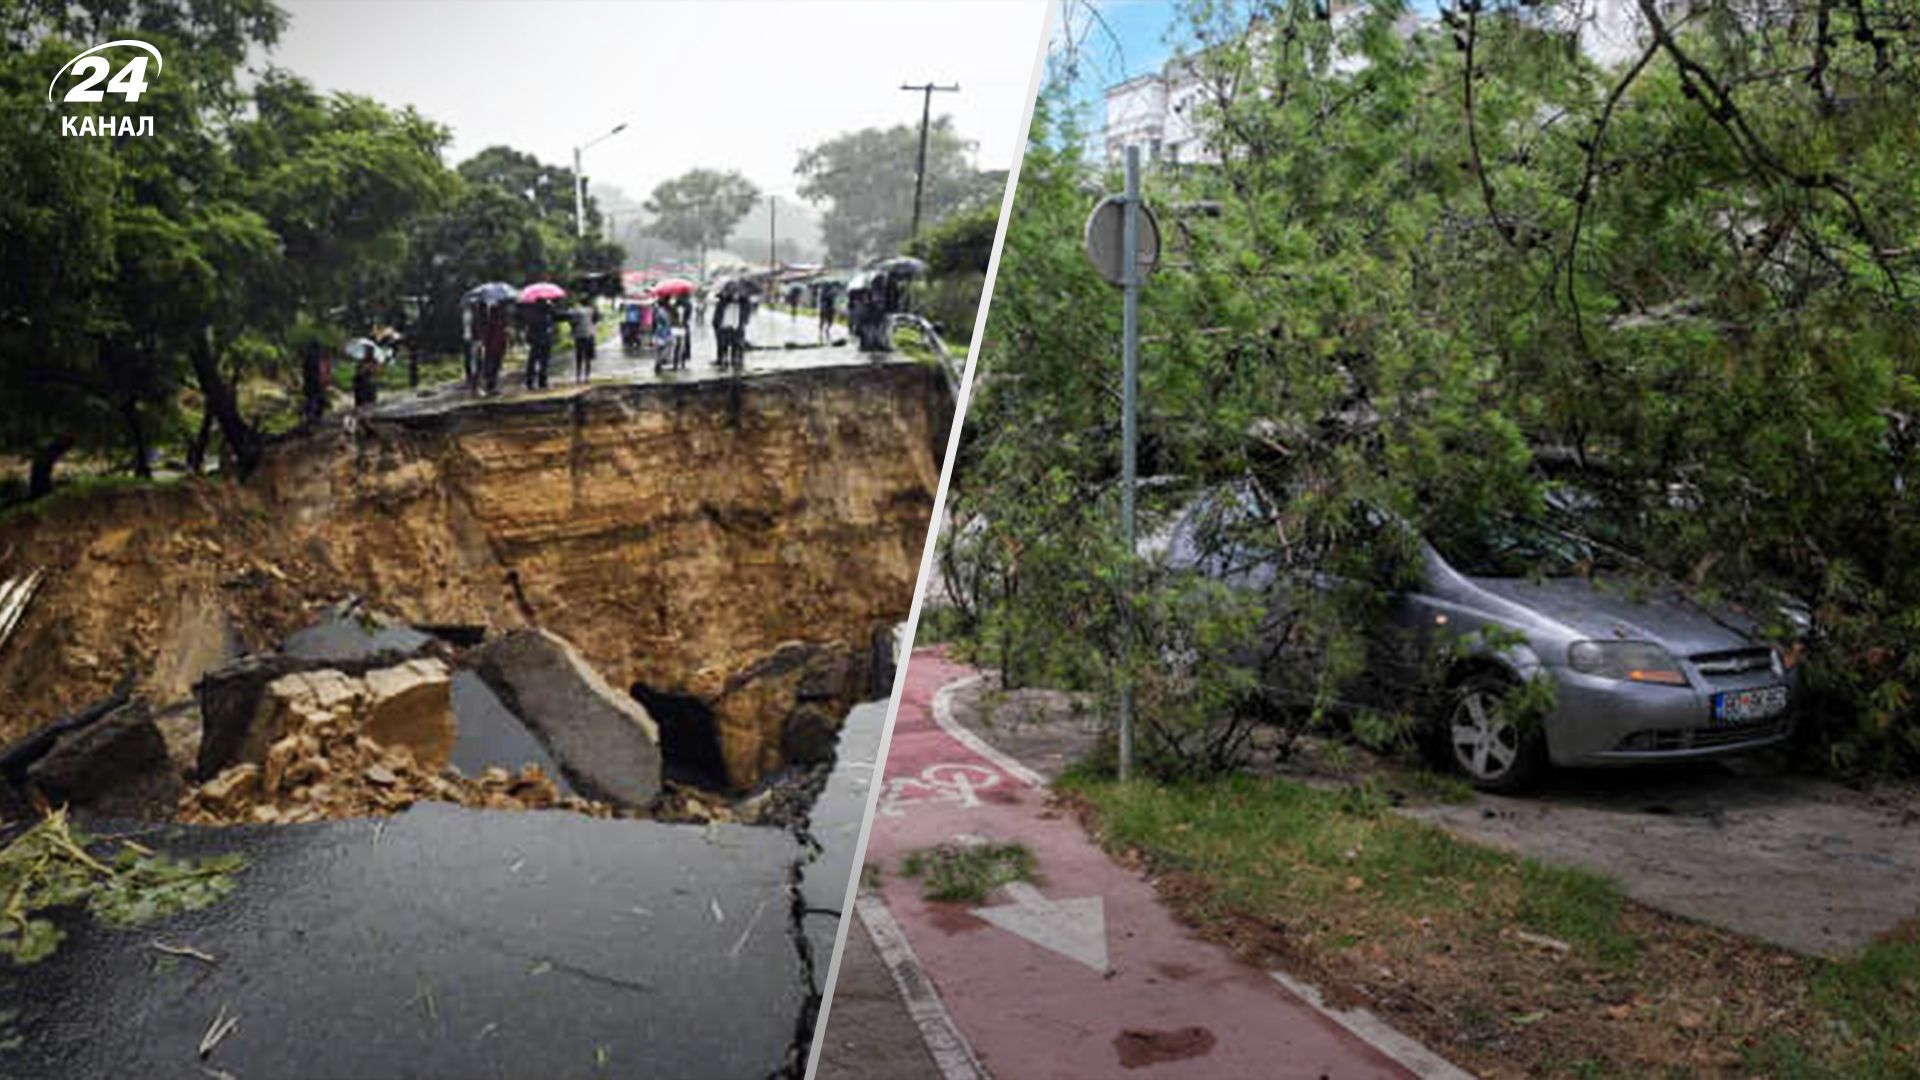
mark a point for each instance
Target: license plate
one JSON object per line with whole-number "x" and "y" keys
{"x": 1735, "y": 706}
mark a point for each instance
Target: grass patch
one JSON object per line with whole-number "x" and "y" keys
{"x": 1508, "y": 965}
{"x": 1346, "y": 856}
{"x": 939, "y": 625}
{"x": 1278, "y": 846}
{"x": 967, "y": 872}
{"x": 76, "y": 490}
{"x": 1869, "y": 1017}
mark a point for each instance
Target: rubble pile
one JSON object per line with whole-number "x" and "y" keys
{"x": 336, "y": 746}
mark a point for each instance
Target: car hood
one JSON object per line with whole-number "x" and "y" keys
{"x": 1622, "y": 611}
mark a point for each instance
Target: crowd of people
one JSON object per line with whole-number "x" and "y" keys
{"x": 494, "y": 318}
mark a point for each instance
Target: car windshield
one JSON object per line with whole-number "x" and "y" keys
{"x": 1510, "y": 547}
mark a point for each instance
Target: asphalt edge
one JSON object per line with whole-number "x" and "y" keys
{"x": 943, "y": 1041}
{"x": 1405, "y": 1051}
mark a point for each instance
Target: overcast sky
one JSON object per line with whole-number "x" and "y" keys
{"x": 739, "y": 84}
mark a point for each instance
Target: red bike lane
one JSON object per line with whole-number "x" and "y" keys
{"x": 1085, "y": 974}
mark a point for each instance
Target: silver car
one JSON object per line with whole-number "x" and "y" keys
{"x": 1639, "y": 672}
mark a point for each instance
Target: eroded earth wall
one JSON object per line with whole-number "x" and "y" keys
{"x": 675, "y": 534}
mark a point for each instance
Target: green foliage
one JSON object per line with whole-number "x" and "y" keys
{"x": 968, "y": 872}
{"x": 149, "y": 277}
{"x": 48, "y": 866}
{"x": 1684, "y": 284}
{"x": 956, "y": 252}
{"x": 698, "y": 209}
{"x": 867, "y": 178}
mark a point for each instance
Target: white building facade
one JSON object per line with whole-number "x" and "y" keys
{"x": 1157, "y": 111}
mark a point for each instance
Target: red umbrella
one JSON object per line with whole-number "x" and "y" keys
{"x": 541, "y": 290}
{"x": 673, "y": 286}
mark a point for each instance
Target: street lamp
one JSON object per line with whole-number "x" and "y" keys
{"x": 580, "y": 183}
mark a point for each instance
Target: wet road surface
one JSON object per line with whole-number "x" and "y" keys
{"x": 443, "y": 942}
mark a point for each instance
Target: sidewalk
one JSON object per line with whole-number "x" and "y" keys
{"x": 1084, "y": 974}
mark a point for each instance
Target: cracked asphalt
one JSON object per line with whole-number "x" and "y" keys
{"x": 457, "y": 943}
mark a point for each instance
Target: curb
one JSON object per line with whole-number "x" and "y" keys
{"x": 943, "y": 715}
{"x": 944, "y": 1043}
{"x": 1377, "y": 1033}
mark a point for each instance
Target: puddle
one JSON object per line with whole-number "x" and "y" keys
{"x": 489, "y": 734}
{"x": 342, "y": 637}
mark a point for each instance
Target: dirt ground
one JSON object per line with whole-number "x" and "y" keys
{"x": 1804, "y": 864}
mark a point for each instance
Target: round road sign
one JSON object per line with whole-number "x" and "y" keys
{"x": 1106, "y": 238}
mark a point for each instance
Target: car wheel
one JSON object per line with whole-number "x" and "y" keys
{"x": 1482, "y": 740}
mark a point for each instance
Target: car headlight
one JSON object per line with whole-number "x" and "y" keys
{"x": 1633, "y": 661}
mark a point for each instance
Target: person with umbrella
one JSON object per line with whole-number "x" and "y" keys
{"x": 481, "y": 308}
{"x": 537, "y": 310}
{"x": 366, "y": 371}
{"x": 675, "y": 309}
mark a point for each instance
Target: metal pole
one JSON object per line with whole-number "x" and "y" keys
{"x": 579, "y": 199}
{"x": 1129, "y": 392}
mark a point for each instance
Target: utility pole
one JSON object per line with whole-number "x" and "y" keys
{"x": 926, "y": 91}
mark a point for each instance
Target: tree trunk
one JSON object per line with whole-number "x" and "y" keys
{"x": 137, "y": 435}
{"x": 40, "y": 476}
{"x": 197, "y": 453}
{"x": 241, "y": 439}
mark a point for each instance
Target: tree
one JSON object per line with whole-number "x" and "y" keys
{"x": 165, "y": 266}
{"x": 957, "y": 252}
{"x": 699, "y": 209}
{"x": 548, "y": 189}
{"x": 90, "y": 355}
{"x": 57, "y": 230}
{"x": 1444, "y": 272}
{"x": 867, "y": 178}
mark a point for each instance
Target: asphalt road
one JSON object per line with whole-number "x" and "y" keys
{"x": 442, "y": 942}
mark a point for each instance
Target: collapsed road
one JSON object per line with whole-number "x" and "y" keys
{"x": 573, "y": 790}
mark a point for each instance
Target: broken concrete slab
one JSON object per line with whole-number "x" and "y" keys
{"x": 491, "y": 736}
{"x": 439, "y": 943}
{"x": 117, "y": 766}
{"x": 604, "y": 742}
{"x": 755, "y": 705}
{"x": 232, "y": 697}
{"x": 411, "y": 705}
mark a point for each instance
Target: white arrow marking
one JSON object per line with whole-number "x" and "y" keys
{"x": 1076, "y": 928}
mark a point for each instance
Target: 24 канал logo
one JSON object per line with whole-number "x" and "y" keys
{"x": 129, "y": 82}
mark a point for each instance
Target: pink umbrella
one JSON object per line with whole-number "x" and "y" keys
{"x": 541, "y": 290}
{"x": 673, "y": 286}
